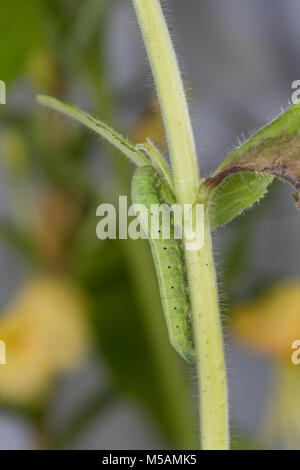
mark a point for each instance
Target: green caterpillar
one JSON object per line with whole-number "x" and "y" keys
{"x": 148, "y": 189}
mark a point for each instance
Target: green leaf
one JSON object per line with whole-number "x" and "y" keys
{"x": 104, "y": 130}
{"x": 244, "y": 176}
{"x": 234, "y": 195}
{"x": 21, "y": 32}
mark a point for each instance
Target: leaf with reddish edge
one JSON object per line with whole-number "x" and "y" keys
{"x": 274, "y": 151}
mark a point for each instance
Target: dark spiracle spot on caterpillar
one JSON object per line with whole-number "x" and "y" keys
{"x": 169, "y": 260}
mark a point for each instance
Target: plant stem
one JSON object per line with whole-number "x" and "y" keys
{"x": 200, "y": 265}
{"x": 209, "y": 346}
{"x": 172, "y": 98}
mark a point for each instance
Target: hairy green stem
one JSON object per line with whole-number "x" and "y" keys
{"x": 209, "y": 345}
{"x": 172, "y": 98}
{"x": 200, "y": 264}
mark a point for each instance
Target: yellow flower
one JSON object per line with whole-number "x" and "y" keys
{"x": 270, "y": 323}
{"x": 46, "y": 334}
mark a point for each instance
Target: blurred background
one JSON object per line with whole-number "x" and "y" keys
{"x": 89, "y": 365}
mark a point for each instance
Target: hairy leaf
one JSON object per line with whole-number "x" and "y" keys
{"x": 104, "y": 130}
{"x": 273, "y": 151}
{"x": 234, "y": 194}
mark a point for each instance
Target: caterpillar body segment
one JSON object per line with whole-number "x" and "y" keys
{"x": 147, "y": 189}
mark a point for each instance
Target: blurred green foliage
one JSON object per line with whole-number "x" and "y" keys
{"x": 49, "y": 43}
{"x": 22, "y": 30}
{"x": 54, "y": 46}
